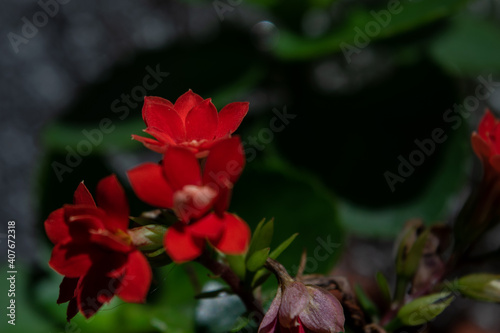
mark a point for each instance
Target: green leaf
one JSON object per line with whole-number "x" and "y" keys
{"x": 383, "y": 285}
{"x": 366, "y": 303}
{"x": 237, "y": 264}
{"x": 424, "y": 309}
{"x": 468, "y": 47}
{"x": 409, "y": 16}
{"x": 262, "y": 237}
{"x": 282, "y": 247}
{"x": 480, "y": 286}
{"x": 257, "y": 259}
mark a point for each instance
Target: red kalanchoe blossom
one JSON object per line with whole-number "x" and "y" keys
{"x": 482, "y": 209}
{"x": 180, "y": 184}
{"x": 94, "y": 250}
{"x": 191, "y": 122}
{"x": 299, "y": 308}
{"x": 486, "y": 143}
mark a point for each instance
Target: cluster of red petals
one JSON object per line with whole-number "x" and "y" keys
{"x": 94, "y": 251}
{"x": 486, "y": 142}
{"x": 179, "y": 183}
{"x": 191, "y": 122}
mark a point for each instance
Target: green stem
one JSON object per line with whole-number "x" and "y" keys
{"x": 252, "y": 305}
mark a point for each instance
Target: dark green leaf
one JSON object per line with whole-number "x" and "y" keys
{"x": 257, "y": 259}
{"x": 383, "y": 286}
{"x": 262, "y": 237}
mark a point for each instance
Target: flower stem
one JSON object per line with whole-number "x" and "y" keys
{"x": 252, "y": 305}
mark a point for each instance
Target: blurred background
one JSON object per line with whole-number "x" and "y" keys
{"x": 343, "y": 96}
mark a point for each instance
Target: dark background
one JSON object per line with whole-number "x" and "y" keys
{"x": 321, "y": 176}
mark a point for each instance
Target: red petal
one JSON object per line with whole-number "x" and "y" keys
{"x": 236, "y": 236}
{"x": 151, "y": 144}
{"x": 81, "y": 226}
{"x": 180, "y": 245}
{"x": 165, "y": 119}
{"x": 153, "y": 102}
{"x": 210, "y": 227}
{"x": 201, "y": 122}
{"x": 150, "y": 185}
{"x": 270, "y": 320}
{"x": 225, "y": 162}
{"x": 72, "y": 212}
{"x": 495, "y": 163}
{"x": 181, "y": 168}
{"x": 82, "y": 196}
{"x": 223, "y": 200}
{"x": 72, "y": 309}
{"x": 135, "y": 284}
{"x": 487, "y": 125}
{"x": 111, "y": 197}
{"x": 72, "y": 259}
{"x": 111, "y": 242}
{"x": 230, "y": 118}
{"x": 95, "y": 289}
{"x": 67, "y": 289}
{"x": 186, "y": 102}
{"x": 162, "y": 137}
{"x": 55, "y": 226}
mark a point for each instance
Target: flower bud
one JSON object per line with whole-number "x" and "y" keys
{"x": 302, "y": 308}
{"x": 148, "y": 237}
{"x": 483, "y": 287}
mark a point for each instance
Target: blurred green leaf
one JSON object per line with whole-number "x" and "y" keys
{"x": 218, "y": 314}
{"x": 366, "y": 303}
{"x": 412, "y": 14}
{"x": 383, "y": 285}
{"x": 468, "y": 47}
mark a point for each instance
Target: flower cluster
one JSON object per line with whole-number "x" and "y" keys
{"x": 96, "y": 251}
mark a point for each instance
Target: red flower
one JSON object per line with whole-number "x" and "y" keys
{"x": 179, "y": 183}
{"x": 191, "y": 122}
{"x": 486, "y": 143}
{"x": 94, "y": 251}
{"x": 299, "y": 308}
